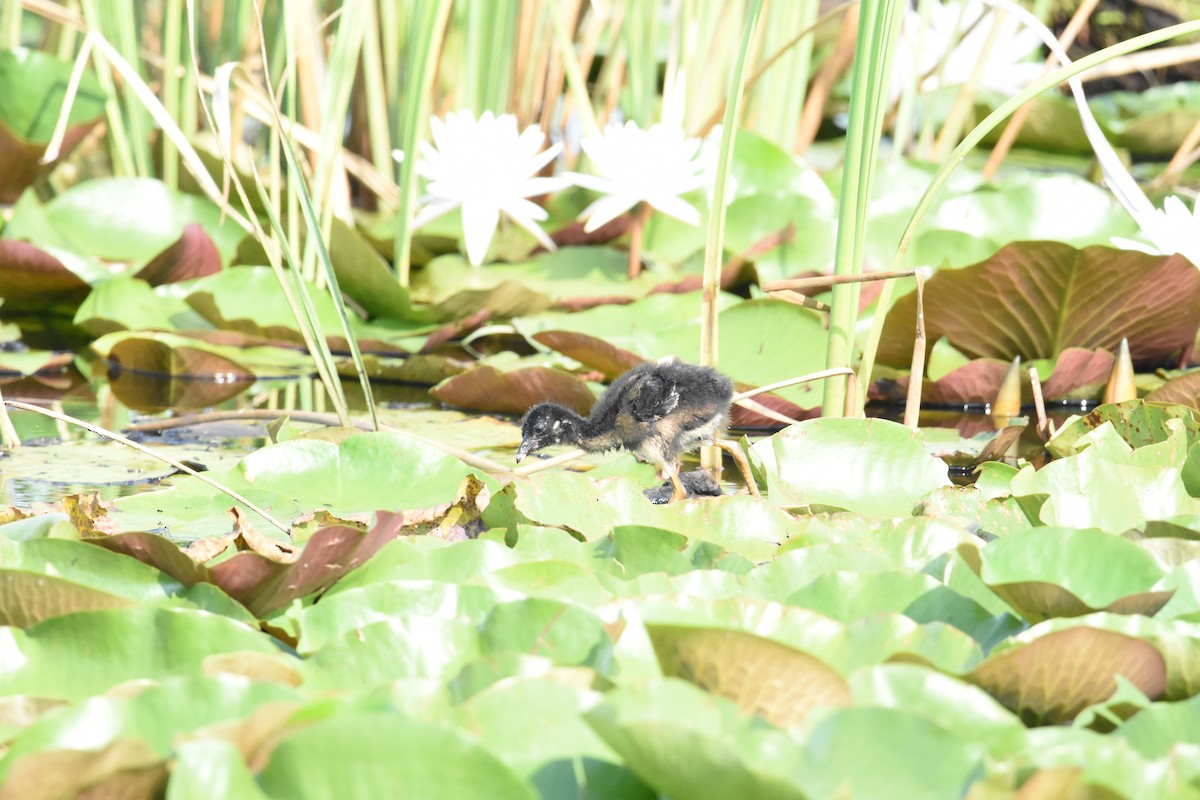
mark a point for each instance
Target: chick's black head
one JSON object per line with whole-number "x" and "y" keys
{"x": 546, "y": 424}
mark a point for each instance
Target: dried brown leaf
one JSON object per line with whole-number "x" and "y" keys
{"x": 89, "y": 514}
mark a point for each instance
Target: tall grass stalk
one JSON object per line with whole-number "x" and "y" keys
{"x": 10, "y": 24}
{"x": 278, "y": 249}
{"x": 879, "y": 26}
{"x": 423, "y": 45}
{"x": 374, "y": 96}
{"x": 120, "y": 146}
{"x": 315, "y": 238}
{"x": 172, "y": 84}
{"x": 715, "y": 241}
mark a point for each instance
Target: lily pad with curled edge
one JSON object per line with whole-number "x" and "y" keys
{"x": 1065, "y": 572}
{"x": 781, "y": 684}
{"x": 1048, "y": 676}
{"x": 687, "y": 743}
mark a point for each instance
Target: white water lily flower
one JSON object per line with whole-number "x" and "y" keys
{"x": 487, "y": 167}
{"x": 957, "y": 34}
{"x": 633, "y": 166}
{"x": 1173, "y": 229}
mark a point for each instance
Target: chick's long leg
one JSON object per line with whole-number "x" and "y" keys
{"x": 743, "y": 466}
{"x": 672, "y": 472}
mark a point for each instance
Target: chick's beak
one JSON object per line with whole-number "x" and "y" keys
{"x": 527, "y": 447}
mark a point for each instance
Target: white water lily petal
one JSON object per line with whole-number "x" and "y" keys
{"x": 1173, "y": 229}
{"x": 945, "y": 51}
{"x": 633, "y": 166}
{"x": 432, "y": 211}
{"x": 479, "y": 226}
{"x": 606, "y": 209}
{"x": 488, "y": 167}
{"x": 674, "y": 207}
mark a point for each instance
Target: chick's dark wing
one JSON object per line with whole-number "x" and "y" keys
{"x": 653, "y": 398}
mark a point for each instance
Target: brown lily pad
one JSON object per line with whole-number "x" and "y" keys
{"x": 149, "y": 354}
{"x": 160, "y": 553}
{"x": 1049, "y": 680}
{"x": 127, "y": 768}
{"x": 32, "y": 278}
{"x": 781, "y": 684}
{"x": 591, "y": 351}
{"x": 1183, "y": 390}
{"x": 1036, "y": 299}
{"x": 486, "y": 388}
{"x": 264, "y": 585}
{"x": 1079, "y": 374}
{"x": 193, "y": 256}
{"x": 27, "y": 598}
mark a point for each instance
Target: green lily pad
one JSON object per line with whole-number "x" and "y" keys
{"x": 379, "y": 653}
{"x": 1138, "y": 422}
{"x": 568, "y": 634}
{"x": 211, "y": 769}
{"x": 540, "y": 722}
{"x": 1062, "y": 572}
{"x": 847, "y": 596}
{"x": 743, "y": 525}
{"x": 131, "y": 304}
{"x": 33, "y": 86}
{"x": 1100, "y": 488}
{"x": 155, "y": 716}
{"x": 339, "y": 613}
{"x": 899, "y": 747}
{"x": 123, "y": 644}
{"x": 728, "y": 754}
{"x": 869, "y": 466}
{"x": 365, "y": 471}
{"x": 389, "y": 754}
{"x": 134, "y": 219}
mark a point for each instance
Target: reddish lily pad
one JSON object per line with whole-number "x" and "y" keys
{"x": 193, "y": 256}
{"x": 264, "y": 585}
{"x": 32, "y": 278}
{"x": 1036, "y": 299}
{"x": 976, "y": 381}
{"x": 1049, "y": 680}
{"x": 486, "y": 388}
{"x": 591, "y": 350}
{"x": 33, "y": 86}
{"x": 778, "y": 683}
{"x": 1078, "y": 373}
{"x": 1183, "y": 390}
{"x": 171, "y": 357}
